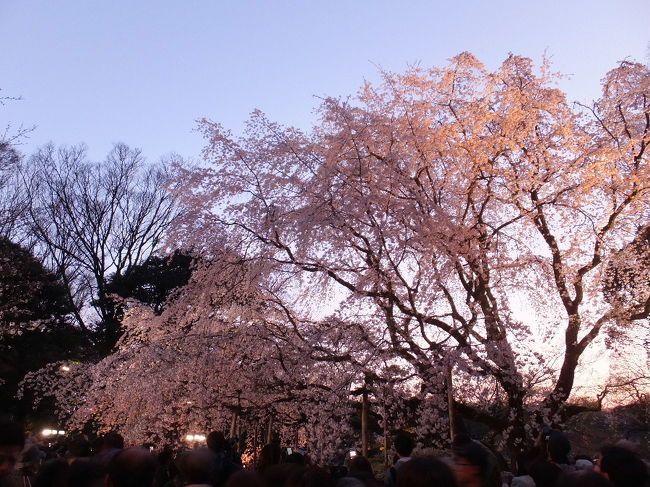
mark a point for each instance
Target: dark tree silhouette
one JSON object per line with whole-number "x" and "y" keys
{"x": 34, "y": 325}
{"x": 90, "y": 221}
{"x": 151, "y": 283}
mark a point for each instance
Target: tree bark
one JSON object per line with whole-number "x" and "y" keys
{"x": 386, "y": 441}
{"x": 233, "y": 423}
{"x": 365, "y": 406}
{"x": 269, "y": 431}
{"x": 450, "y": 404}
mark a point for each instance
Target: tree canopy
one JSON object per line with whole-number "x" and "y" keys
{"x": 30, "y": 296}
{"x": 34, "y": 320}
{"x": 451, "y": 226}
{"x": 152, "y": 281}
{"x": 88, "y": 221}
{"x": 433, "y": 204}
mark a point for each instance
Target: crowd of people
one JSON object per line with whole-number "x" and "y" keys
{"x": 108, "y": 463}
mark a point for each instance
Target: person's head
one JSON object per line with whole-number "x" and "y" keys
{"x": 132, "y": 467}
{"x": 425, "y": 472}
{"x": 216, "y": 441}
{"x": 473, "y": 463}
{"x": 86, "y": 472}
{"x": 524, "y": 460}
{"x": 104, "y": 457}
{"x": 277, "y": 475}
{"x": 309, "y": 477}
{"x": 349, "y": 482}
{"x": 358, "y": 465}
{"x": 269, "y": 455}
{"x": 12, "y": 441}
{"x": 404, "y": 443}
{"x": 544, "y": 472}
{"x": 110, "y": 441}
{"x": 78, "y": 446}
{"x": 558, "y": 447}
{"x": 53, "y": 473}
{"x": 622, "y": 467}
{"x": 584, "y": 464}
{"x": 245, "y": 478}
{"x": 197, "y": 466}
{"x": 582, "y": 478}
{"x": 296, "y": 458}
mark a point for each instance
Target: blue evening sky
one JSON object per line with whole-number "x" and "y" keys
{"x": 142, "y": 71}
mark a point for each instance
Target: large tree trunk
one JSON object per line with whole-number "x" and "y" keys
{"x": 269, "y": 431}
{"x": 556, "y": 399}
{"x": 450, "y": 404}
{"x": 365, "y": 406}
{"x": 386, "y": 440}
{"x": 233, "y": 423}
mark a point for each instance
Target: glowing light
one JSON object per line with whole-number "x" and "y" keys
{"x": 195, "y": 438}
{"x": 51, "y": 432}
{"x": 65, "y": 368}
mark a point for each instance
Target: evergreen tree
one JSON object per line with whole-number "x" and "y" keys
{"x": 34, "y": 329}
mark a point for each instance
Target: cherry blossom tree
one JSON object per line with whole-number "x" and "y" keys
{"x": 200, "y": 363}
{"x": 456, "y": 217}
{"x": 451, "y": 221}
